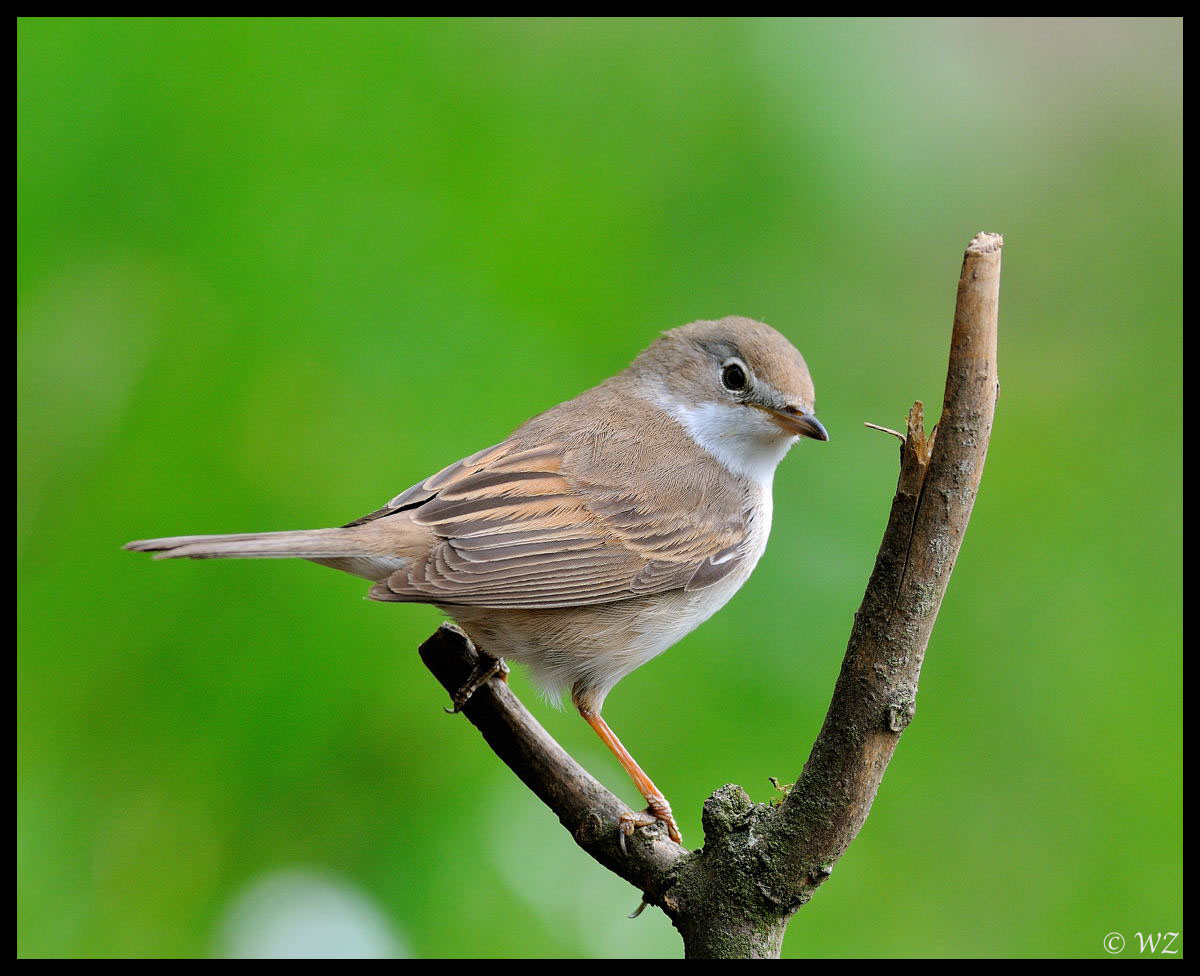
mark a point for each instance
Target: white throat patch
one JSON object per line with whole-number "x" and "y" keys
{"x": 743, "y": 439}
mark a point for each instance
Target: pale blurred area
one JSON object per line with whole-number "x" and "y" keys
{"x": 302, "y": 913}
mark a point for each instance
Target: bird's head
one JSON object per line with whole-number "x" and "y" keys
{"x": 741, "y": 390}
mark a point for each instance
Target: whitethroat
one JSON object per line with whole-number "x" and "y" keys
{"x": 597, "y": 534}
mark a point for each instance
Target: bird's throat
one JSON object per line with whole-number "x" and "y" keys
{"x": 742, "y": 439}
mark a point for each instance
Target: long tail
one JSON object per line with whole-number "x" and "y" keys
{"x": 356, "y": 550}
{"x": 304, "y": 544}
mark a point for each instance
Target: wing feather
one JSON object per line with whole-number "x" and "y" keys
{"x": 516, "y": 528}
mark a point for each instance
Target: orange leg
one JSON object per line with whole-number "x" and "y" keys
{"x": 658, "y": 805}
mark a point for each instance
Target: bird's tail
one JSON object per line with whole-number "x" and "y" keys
{"x": 304, "y": 544}
{"x": 355, "y": 549}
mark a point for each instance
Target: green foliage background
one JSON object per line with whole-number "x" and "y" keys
{"x": 272, "y": 272}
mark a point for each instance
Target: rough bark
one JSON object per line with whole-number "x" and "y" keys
{"x": 759, "y": 863}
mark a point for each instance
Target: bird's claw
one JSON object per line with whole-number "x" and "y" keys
{"x": 628, "y": 822}
{"x": 487, "y": 668}
{"x": 659, "y": 811}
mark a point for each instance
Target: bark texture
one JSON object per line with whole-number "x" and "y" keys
{"x": 760, "y": 863}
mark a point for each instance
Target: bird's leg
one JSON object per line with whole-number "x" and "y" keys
{"x": 658, "y": 807}
{"x": 487, "y": 668}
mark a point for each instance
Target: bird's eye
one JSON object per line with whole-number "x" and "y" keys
{"x": 733, "y": 376}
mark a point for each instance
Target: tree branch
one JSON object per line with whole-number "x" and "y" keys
{"x": 760, "y": 863}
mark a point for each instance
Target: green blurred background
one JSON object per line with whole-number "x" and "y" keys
{"x": 272, "y": 272}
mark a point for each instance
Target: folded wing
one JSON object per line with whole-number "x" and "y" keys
{"x": 516, "y": 530}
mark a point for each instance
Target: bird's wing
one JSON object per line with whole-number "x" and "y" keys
{"x": 515, "y": 529}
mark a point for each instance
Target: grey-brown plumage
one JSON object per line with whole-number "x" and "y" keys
{"x": 599, "y": 532}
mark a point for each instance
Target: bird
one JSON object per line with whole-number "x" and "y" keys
{"x": 599, "y": 533}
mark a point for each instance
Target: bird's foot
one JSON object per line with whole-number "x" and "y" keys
{"x": 488, "y": 667}
{"x": 659, "y": 811}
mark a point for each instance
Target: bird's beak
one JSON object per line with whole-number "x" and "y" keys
{"x": 796, "y": 421}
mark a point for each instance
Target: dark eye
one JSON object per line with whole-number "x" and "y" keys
{"x": 733, "y": 376}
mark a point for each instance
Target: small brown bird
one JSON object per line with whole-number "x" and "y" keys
{"x": 597, "y": 534}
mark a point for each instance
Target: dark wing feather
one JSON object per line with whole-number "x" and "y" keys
{"x": 515, "y": 530}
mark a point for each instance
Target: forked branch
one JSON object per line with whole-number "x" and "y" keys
{"x": 759, "y": 863}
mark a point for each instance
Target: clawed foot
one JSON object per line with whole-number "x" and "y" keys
{"x": 659, "y": 811}
{"x": 487, "y": 668}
